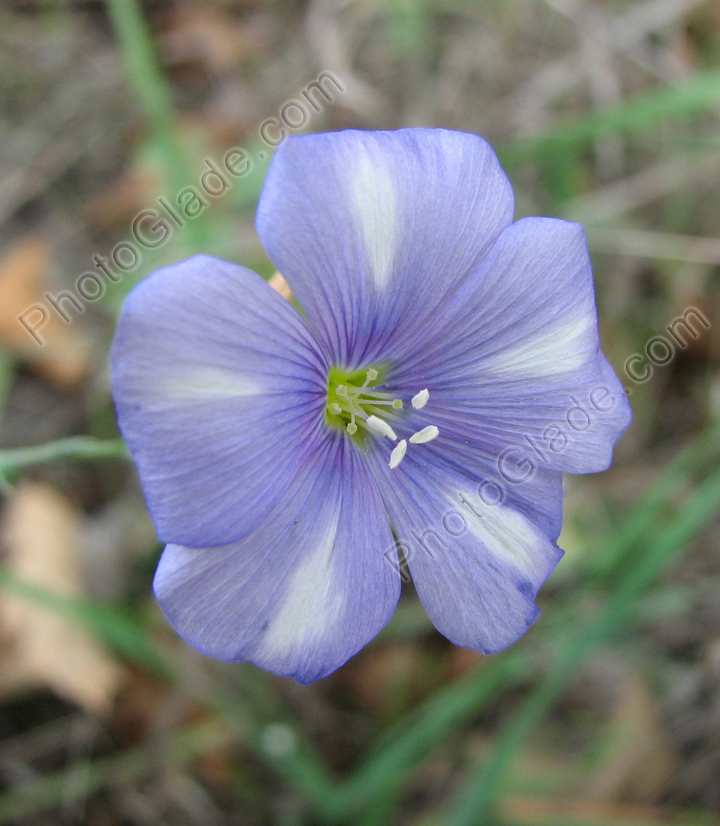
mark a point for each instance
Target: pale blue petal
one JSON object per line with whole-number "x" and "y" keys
{"x": 477, "y": 562}
{"x": 220, "y": 395}
{"x": 306, "y": 590}
{"x": 513, "y": 363}
{"x": 375, "y": 230}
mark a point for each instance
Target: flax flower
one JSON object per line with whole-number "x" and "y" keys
{"x": 445, "y": 372}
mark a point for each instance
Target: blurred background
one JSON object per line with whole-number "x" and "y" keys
{"x": 608, "y": 712}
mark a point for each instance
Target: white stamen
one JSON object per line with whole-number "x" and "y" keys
{"x": 380, "y": 426}
{"x": 335, "y": 408}
{"x": 398, "y": 453}
{"x": 397, "y": 404}
{"x": 420, "y": 399}
{"x": 427, "y": 434}
{"x": 341, "y": 390}
{"x": 371, "y": 374}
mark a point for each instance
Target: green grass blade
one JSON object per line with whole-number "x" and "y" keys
{"x": 385, "y": 770}
{"x": 612, "y": 552}
{"x": 407, "y": 744}
{"x": 141, "y": 64}
{"x": 485, "y": 785}
{"x": 642, "y": 113}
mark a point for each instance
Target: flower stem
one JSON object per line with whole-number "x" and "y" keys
{"x": 75, "y": 447}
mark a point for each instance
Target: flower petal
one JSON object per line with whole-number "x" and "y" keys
{"x": 513, "y": 362}
{"x": 373, "y": 230}
{"x": 214, "y": 377}
{"x": 302, "y": 593}
{"x": 477, "y": 562}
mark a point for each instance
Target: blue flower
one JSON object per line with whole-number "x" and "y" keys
{"x": 446, "y": 372}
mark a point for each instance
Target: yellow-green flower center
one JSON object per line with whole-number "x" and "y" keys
{"x": 356, "y": 403}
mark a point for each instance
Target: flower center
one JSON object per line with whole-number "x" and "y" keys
{"x": 356, "y": 402}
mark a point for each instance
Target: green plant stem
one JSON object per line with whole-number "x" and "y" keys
{"x": 75, "y": 447}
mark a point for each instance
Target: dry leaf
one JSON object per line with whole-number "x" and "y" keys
{"x": 542, "y": 811}
{"x": 40, "y": 534}
{"x": 462, "y": 660}
{"x": 63, "y": 358}
{"x": 120, "y": 202}
{"x": 641, "y": 759}
{"x": 213, "y": 37}
{"x": 389, "y": 679}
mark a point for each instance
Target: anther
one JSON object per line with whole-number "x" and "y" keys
{"x": 335, "y": 408}
{"x": 371, "y": 374}
{"x": 420, "y": 399}
{"x": 427, "y": 434}
{"x": 397, "y": 404}
{"x": 341, "y": 390}
{"x": 352, "y": 428}
{"x": 398, "y": 453}
{"x": 380, "y": 426}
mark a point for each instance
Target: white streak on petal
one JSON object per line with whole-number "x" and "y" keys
{"x": 398, "y": 454}
{"x": 419, "y": 400}
{"x": 210, "y": 383}
{"x": 374, "y": 201}
{"x": 311, "y": 603}
{"x": 552, "y": 351}
{"x": 427, "y": 434}
{"x": 381, "y": 426}
{"x": 507, "y": 534}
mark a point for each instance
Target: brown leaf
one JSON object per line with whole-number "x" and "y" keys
{"x": 640, "y": 759}
{"x": 387, "y": 680}
{"x": 63, "y": 358}
{"x": 120, "y": 202}
{"x": 542, "y": 811}
{"x": 213, "y": 37}
{"x": 41, "y": 534}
